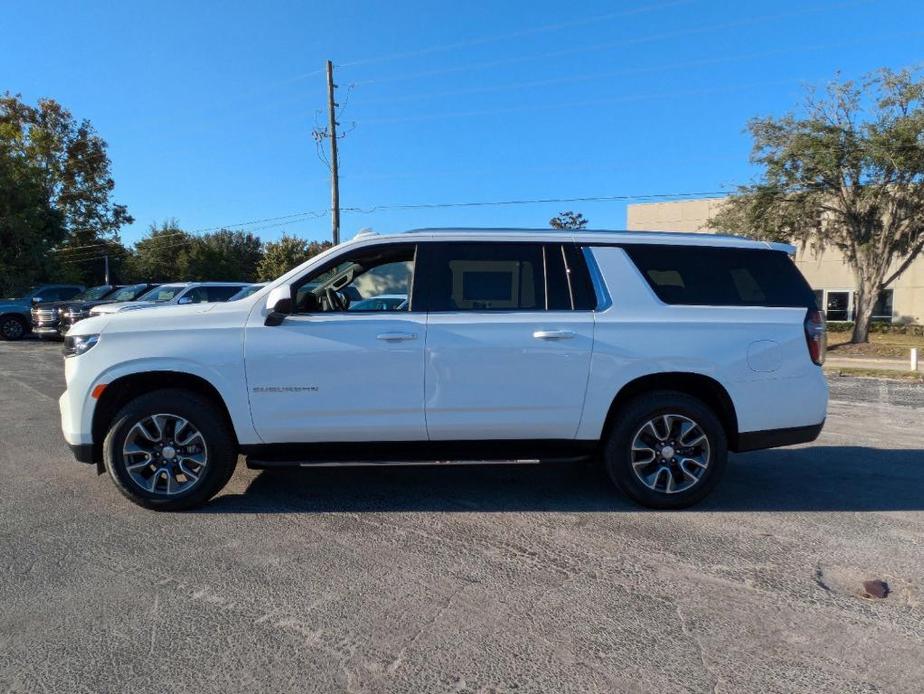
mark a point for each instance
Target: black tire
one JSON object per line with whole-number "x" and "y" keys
{"x": 202, "y": 414}
{"x": 13, "y": 327}
{"x": 618, "y": 454}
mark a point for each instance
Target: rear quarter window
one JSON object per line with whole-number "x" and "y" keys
{"x": 709, "y": 276}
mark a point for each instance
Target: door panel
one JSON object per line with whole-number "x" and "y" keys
{"x": 338, "y": 377}
{"x": 506, "y": 376}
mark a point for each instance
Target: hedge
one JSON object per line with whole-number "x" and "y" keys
{"x": 879, "y": 327}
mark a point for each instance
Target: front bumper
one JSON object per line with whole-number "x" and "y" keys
{"x": 74, "y": 420}
{"x": 47, "y": 330}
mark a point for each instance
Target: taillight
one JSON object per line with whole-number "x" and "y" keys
{"x": 816, "y": 335}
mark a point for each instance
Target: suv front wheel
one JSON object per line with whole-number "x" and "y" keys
{"x": 667, "y": 450}
{"x": 169, "y": 450}
{"x": 12, "y": 327}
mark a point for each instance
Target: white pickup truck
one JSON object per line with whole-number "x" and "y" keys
{"x": 654, "y": 353}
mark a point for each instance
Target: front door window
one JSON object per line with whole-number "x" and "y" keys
{"x": 371, "y": 280}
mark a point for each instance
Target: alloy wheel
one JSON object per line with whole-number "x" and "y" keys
{"x": 670, "y": 453}
{"x": 165, "y": 454}
{"x": 12, "y": 329}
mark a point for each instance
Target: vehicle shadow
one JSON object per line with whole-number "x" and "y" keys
{"x": 814, "y": 478}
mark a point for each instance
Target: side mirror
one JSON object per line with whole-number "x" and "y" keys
{"x": 184, "y": 300}
{"x": 37, "y": 300}
{"x": 279, "y": 304}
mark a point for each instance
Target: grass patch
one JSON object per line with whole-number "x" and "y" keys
{"x": 913, "y": 376}
{"x": 883, "y": 345}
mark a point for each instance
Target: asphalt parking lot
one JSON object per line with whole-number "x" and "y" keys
{"x": 505, "y": 578}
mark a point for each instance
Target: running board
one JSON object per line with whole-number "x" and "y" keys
{"x": 369, "y": 453}
{"x": 273, "y": 464}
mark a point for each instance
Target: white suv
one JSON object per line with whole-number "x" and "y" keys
{"x": 655, "y": 353}
{"x": 178, "y": 293}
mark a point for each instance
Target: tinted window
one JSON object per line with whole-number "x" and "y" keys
{"x": 222, "y": 293}
{"x": 579, "y": 276}
{"x": 485, "y": 277}
{"x": 68, "y": 292}
{"x": 721, "y": 276}
{"x": 52, "y": 294}
{"x": 559, "y": 292}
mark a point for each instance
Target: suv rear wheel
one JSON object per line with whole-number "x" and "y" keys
{"x": 12, "y": 327}
{"x": 667, "y": 450}
{"x": 169, "y": 450}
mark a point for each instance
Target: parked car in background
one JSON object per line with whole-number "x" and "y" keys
{"x": 74, "y": 311}
{"x": 15, "y": 313}
{"x": 382, "y": 302}
{"x": 46, "y": 315}
{"x": 248, "y": 291}
{"x": 652, "y": 353}
{"x": 178, "y": 293}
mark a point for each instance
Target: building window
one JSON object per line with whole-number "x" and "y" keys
{"x": 841, "y": 304}
{"x": 819, "y": 298}
{"x": 838, "y": 306}
{"x": 882, "y": 311}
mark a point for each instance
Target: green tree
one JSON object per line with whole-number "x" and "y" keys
{"x": 845, "y": 172}
{"x": 288, "y": 252}
{"x": 224, "y": 255}
{"x": 29, "y": 226}
{"x": 74, "y": 167}
{"x": 568, "y": 220}
{"x": 162, "y": 255}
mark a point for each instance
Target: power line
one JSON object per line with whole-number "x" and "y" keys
{"x": 750, "y": 21}
{"x": 639, "y": 70}
{"x": 472, "y": 203}
{"x": 316, "y": 214}
{"x": 159, "y": 243}
{"x": 537, "y": 201}
{"x": 578, "y": 104}
{"x": 516, "y": 34}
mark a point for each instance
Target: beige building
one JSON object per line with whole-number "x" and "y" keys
{"x": 828, "y": 274}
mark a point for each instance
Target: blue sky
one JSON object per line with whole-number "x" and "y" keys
{"x": 208, "y": 107}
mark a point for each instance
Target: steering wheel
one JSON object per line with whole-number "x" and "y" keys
{"x": 334, "y": 302}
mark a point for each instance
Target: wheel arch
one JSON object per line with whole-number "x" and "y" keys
{"x": 699, "y": 386}
{"x": 27, "y": 324}
{"x": 130, "y": 386}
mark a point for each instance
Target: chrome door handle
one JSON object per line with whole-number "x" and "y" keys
{"x": 396, "y": 337}
{"x": 553, "y": 334}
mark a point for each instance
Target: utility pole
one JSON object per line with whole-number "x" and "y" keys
{"x": 334, "y": 174}
{"x": 106, "y": 257}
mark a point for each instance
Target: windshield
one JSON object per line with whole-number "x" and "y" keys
{"x": 247, "y": 291}
{"x": 29, "y": 292}
{"x": 129, "y": 293}
{"x": 94, "y": 293}
{"x": 161, "y": 295}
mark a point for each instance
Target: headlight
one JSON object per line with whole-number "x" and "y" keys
{"x": 75, "y": 345}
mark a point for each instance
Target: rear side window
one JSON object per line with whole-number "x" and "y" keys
{"x": 702, "y": 276}
{"x": 556, "y": 271}
{"x": 490, "y": 276}
{"x": 486, "y": 277}
{"x": 579, "y": 276}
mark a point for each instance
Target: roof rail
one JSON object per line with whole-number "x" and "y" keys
{"x": 365, "y": 234}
